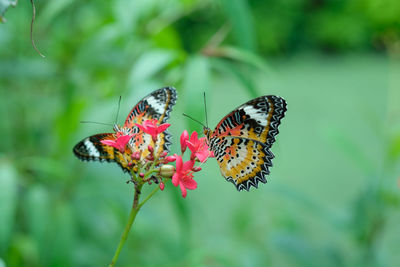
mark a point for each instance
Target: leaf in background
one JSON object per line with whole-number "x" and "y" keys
{"x": 8, "y": 201}
{"x": 53, "y": 9}
{"x": 196, "y": 81}
{"x": 148, "y": 65}
{"x": 4, "y": 5}
{"x": 246, "y": 57}
{"x": 232, "y": 69}
{"x": 239, "y": 14}
{"x": 37, "y": 209}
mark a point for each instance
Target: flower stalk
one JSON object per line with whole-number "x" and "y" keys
{"x": 150, "y": 165}
{"x": 132, "y": 215}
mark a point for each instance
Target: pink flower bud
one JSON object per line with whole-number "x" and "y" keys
{"x": 136, "y": 155}
{"x": 150, "y": 148}
{"x": 169, "y": 159}
{"x": 164, "y": 154}
{"x": 184, "y": 138}
{"x": 196, "y": 169}
{"x": 162, "y": 186}
{"x": 141, "y": 174}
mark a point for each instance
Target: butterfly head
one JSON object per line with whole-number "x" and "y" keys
{"x": 207, "y": 132}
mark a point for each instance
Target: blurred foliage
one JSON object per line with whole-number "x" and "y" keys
{"x": 333, "y": 198}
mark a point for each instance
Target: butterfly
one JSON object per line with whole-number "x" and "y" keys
{"x": 242, "y": 140}
{"x": 156, "y": 105}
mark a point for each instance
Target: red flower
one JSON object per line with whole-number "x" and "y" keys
{"x": 183, "y": 175}
{"x": 184, "y": 139}
{"x": 120, "y": 142}
{"x": 151, "y": 127}
{"x": 198, "y": 147}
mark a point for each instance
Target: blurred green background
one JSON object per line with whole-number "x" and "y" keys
{"x": 333, "y": 194}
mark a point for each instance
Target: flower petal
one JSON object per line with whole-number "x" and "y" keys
{"x": 163, "y": 127}
{"x": 183, "y": 139}
{"x": 194, "y": 138}
{"x": 109, "y": 142}
{"x": 203, "y": 155}
{"x": 188, "y": 165}
{"x": 190, "y": 184}
{"x": 175, "y": 179}
{"x": 178, "y": 163}
{"x": 123, "y": 140}
{"x": 183, "y": 189}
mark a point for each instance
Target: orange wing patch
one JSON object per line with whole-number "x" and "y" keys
{"x": 244, "y": 162}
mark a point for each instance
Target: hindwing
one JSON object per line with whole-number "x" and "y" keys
{"x": 242, "y": 161}
{"x": 91, "y": 148}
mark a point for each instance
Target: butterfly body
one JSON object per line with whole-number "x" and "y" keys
{"x": 155, "y": 106}
{"x": 242, "y": 140}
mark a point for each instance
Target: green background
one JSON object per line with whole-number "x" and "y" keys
{"x": 333, "y": 193}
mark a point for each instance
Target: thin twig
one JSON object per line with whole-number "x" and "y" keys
{"x": 213, "y": 43}
{"x": 33, "y": 20}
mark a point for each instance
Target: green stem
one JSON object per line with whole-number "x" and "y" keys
{"x": 135, "y": 209}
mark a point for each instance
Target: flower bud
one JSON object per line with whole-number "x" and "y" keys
{"x": 184, "y": 138}
{"x": 162, "y": 186}
{"x": 150, "y": 148}
{"x": 196, "y": 169}
{"x": 141, "y": 174}
{"x": 164, "y": 154}
{"x": 167, "y": 170}
{"x": 170, "y": 159}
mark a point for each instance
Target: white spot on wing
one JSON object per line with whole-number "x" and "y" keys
{"x": 155, "y": 104}
{"x": 91, "y": 148}
{"x": 255, "y": 114}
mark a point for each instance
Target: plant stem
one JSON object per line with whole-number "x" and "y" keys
{"x": 135, "y": 209}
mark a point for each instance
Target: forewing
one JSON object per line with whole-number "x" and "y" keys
{"x": 257, "y": 119}
{"x": 156, "y": 105}
{"x": 91, "y": 148}
{"x": 242, "y": 161}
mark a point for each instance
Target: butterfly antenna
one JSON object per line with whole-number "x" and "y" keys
{"x": 95, "y": 122}
{"x": 205, "y": 108}
{"x": 119, "y": 104}
{"x": 193, "y": 119}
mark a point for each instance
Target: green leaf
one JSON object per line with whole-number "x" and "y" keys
{"x": 239, "y": 14}
{"x": 8, "y": 201}
{"x": 37, "y": 210}
{"x": 246, "y": 57}
{"x": 148, "y": 65}
{"x": 233, "y": 70}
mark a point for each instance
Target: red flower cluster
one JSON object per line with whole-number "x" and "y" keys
{"x": 151, "y": 127}
{"x": 182, "y": 175}
{"x": 184, "y": 170}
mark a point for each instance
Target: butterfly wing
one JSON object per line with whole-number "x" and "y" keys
{"x": 91, "y": 148}
{"x": 242, "y": 140}
{"x": 242, "y": 161}
{"x": 156, "y": 105}
{"x": 257, "y": 119}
